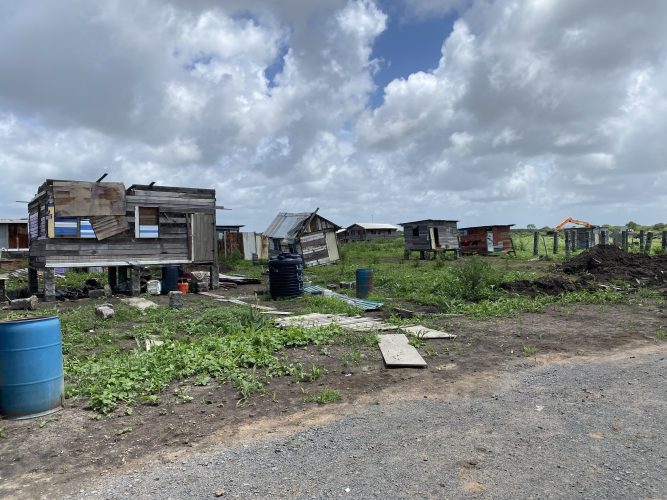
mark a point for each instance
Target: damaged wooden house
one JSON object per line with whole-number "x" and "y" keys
{"x": 307, "y": 234}
{"x": 430, "y": 236}
{"x": 86, "y": 224}
{"x": 486, "y": 240}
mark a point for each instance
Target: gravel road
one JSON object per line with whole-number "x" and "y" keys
{"x": 586, "y": 429}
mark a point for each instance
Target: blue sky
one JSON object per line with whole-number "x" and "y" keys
{"x": 408, "y": 44}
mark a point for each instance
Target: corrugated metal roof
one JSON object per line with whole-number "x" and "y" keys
{"x": 372, "y": 225}
{"x": 285, "y": 224}
{"x": 13, "y": 221}
{"x": 426, "y": 220}
{"x": 487, "y": 225}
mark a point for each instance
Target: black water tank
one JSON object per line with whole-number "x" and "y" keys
{"x": 286, "y": 275}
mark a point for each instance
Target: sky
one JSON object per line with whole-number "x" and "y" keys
{"x": 484, "y": 111}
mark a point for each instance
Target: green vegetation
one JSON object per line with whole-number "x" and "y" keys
{"x": 529, "y": 350}
{"x": 325, "y": 396}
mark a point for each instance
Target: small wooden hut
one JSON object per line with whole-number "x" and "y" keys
{"x": 307, "y": 234}
{"x": 88, "y": 224}
{"x": 430, "y": 236}
{"x": 486, "y": 240}
{"x": 368, "y": 231}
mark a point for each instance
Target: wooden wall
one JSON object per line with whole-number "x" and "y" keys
{"x": 186, "y": 233}
{"x": 448, "y": 235}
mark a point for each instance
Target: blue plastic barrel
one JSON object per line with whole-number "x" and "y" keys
{"x": 170, "y": 278}
{"x": 364, "y": 282}
{"x": 31, "y": 367}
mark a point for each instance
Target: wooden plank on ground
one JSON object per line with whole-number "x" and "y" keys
{"x": 397, "y": 352}
{"x": 426, "y": 333}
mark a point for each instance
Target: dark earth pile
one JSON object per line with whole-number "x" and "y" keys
{"x": 608, "y": 262}
{"x": 548, "y": 285}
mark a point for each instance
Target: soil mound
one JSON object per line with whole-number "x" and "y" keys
{"x": 608, "y": 262}
{"x": 548, "y": 285}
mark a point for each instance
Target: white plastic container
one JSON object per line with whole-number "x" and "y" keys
{"x": 154, "y": 287}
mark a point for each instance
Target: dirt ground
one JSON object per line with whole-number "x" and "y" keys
{"x": 50, "y": 456}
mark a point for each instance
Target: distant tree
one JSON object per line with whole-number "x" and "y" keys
{"x": 660, "y": 226}
{"x": 632, "y": 226}
{"x": 545, "y": 228}
{"x": 530, "y": 226}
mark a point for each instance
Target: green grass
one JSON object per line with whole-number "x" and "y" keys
{"x": 326, "y": 395}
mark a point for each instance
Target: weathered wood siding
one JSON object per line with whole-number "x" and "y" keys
{"x": 186, "y": 232}
{"x": 358, "y": 233}
{"x": 474, "y": 239}
{"x": 447, "y": 233}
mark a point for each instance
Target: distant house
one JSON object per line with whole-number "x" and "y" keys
{"x": 220, "y": 230}
{"x": 307, "y": 234}
{"x": 86, "y": 224}
{"x": 14, "y": 234}
{"x": 430, "y": 235}
{"x": 486, "y": 240}
{"x": 365, "y": 231}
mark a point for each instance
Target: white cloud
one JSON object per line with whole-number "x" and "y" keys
{"x": 533, "y": 106}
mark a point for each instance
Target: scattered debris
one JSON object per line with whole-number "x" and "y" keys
{"x": 138, "y": 302}
{"x": 547, "y": 285}
{"x": 105, "y": 311}
{"x": 403, "y": 313}
{"x": 239, "y": 279}
{"x": 263, "y": 309}
{"x": 152, "y": 342}
{"x": 397, "y": 352}
{"x": 175, "y": 299}
{"x": 220, "y": 493}
{"x": 426, "y": 333}
{"x": 154, "y": 287}
{"x": 355, "y": 323}
{"x": 366, "y": 305}
{"x": 28, "y": 304}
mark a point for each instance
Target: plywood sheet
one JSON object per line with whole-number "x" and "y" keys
{"x": 426, "y": 333}
{"x": 88, "y": 199}
{"x": 397, "y": 352}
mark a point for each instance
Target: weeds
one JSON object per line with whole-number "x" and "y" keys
{"x": 528, "y": 350}
{"x": 352, "y": 358}
{"x": 325, "y": 396}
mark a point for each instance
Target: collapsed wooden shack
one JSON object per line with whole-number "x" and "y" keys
{"x": 430, "y": 236}
{"x": 368, "y": 231}
{"x": 486, "y": 240}
{"x": 307, "y": 234}
{"x": 87, "y": 224}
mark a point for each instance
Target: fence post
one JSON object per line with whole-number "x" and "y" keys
{"x": 641, "y": 241}
{"x": 649, "y": 243}
{"x": 536, "y": 244}
{"x": 624, "y": 240}
{"x": 573, "y": 240}
{"x": 567, "y": 243}
{"x": 664, "y": 241}
{"x": 603, "y": 236}
{"x": 555, "y": 242}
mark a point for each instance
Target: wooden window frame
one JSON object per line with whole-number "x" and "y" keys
{"x": 137, "y": 225}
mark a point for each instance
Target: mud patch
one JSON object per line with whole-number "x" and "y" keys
{"x": 548, "y": 285}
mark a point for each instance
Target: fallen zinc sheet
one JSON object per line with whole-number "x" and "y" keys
{"x": 397, "y": 352}
{"x": 355, "y": 323}
{"x": 239, "y": 279}
{"x": 366, "y": 305}
{"x": 360, "y": 324}
{"x": 262, "y": 309}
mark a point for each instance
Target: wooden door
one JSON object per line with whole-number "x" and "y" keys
{"x": 202, "y": 240}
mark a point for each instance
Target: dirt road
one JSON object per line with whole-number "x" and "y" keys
{"x": 578, "y": 428}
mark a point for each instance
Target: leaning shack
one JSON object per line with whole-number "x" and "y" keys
{"x": 82, "y": 224}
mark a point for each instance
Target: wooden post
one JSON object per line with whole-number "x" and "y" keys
{"x": 589, "y": 239}
{"x": 603, "y": 236}
{"x": 113, "y": 277}
{"x": 624, "y": 240}
{"x": 664, "y": 241}
{"x": 536, "y": 244}
{"x": 406, "y": 254}
{"x": 573, "y": 239}
{"x": 555, "y": 242}
{"x": 49, "y": 285}
{"x": 567, "y": 243}
{"x": 641, "y": 241}
{"x": 33, "y": 283}
{"x": 649, "y": 243}
{"x": 422, "y": 255}
{"x": 136, "y": 281}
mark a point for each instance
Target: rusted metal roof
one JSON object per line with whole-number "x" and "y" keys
{"x": 286, "y": 225}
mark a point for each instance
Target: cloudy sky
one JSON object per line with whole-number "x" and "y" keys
{"x": 388, "y": 110}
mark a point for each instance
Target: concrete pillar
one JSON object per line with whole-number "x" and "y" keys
{"x": 649, "y": 243}
{"x": 641, "y": 241}
{"x": 136, "y": 280}
{"x": 49, "y": 285}
{"x": 573, "y": 240}
{"x": 568, "y": 246}
{"x": 555, "y": 242}
{"x": 536, "y": 244}
{"x": 624, "y": 240}
{"x": 214, "y": 282}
